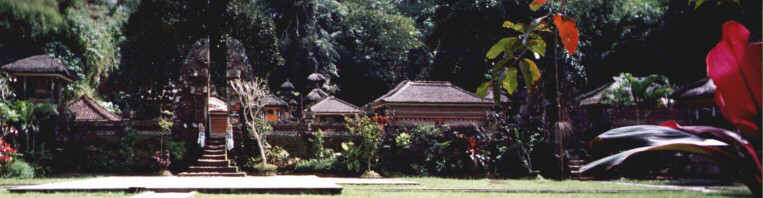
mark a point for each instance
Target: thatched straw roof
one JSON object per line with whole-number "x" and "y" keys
{"x": 437, "y": 92}
{"x": 287, "y": 85}
{"x": 86, "y": 109}
{"x": 704, "y": 87}
{"x": 334, "y": 106}
{"x": 39, "y": 65}
{"x": 317, "y": 94}
{"x": 316, "y": 77}
{"x": 271, "y": 100}
{"x": 595, "y": 97}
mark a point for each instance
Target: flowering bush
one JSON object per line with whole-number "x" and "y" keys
{"x": 162, "y": 159}
{"x": 7, "y": 153}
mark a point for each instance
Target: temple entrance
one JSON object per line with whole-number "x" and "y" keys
{"x": 208, "y": 107}
{"x": 219, "y": 118}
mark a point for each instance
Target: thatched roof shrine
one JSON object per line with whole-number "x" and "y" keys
{"x": 39, "y": 65}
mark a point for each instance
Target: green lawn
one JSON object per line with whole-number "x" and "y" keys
{"x": 440, "y": 188}
{"x": 359, "y": 194}
{"x": 427, "y": 184}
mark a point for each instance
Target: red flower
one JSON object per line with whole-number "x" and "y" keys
{"x": 735, "y": 67}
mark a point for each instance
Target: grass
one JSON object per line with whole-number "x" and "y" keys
{"x": 429, "y": 188}
{"x": 355, "y": 193}
{"x": 499, "y": 184}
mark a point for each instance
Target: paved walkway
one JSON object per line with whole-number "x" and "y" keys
{"x": 274, "y": 184}
{"x": 160, "y": 185}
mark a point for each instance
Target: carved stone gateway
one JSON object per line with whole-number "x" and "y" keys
{"x": 194, "y": 79}
{"x": 195, "y": 76}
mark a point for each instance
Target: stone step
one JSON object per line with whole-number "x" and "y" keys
{"x": 214, "y": 152}
{"x": 576, "y": 161}
{"x": 217, "y": 163}
{"x": 213, "y": 157}
{"x": 214, "y": 147}
{"x": 211, "y": 174}
{"x": 221, "y": 169}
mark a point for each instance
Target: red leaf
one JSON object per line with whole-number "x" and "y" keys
{"x": 568, "y": 32}
{"x": 536, "y": 4}
{"x": 735, "y": 67}
{"x": 747, "y": 151}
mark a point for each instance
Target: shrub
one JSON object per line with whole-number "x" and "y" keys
{"x": 430, "y": 150}
{"x": 265, "y": 167}
{"x": 325, "y": 165}
{"x": 276, "y": 156}
{"x": 317, "y": 145}
{"x": 361, "y": 157}
{"x": 18, "y": 168}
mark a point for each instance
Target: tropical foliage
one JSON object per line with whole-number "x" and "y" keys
{"x": 728, "y": 62}
{"x": 630, "y": 90}
{"x": 361, "y": 157}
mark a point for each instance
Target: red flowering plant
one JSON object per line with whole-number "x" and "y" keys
{"x": 734, "y": 65}
{"x": 162, "y": 159}
{"x": 7, "y": 153}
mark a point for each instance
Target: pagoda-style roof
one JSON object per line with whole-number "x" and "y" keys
{"x": 333, "y": 106}
{"x": 429, "y": 92}
{"x": 701, "y": 88}
{"x": 39, "y": 65}
{"x": 271, "y": 100}
{"x": 86, "y": 109}
{"x": 217, "y": 105}
{"x": 317, "y": 94}
{"x": 287, "y": 85}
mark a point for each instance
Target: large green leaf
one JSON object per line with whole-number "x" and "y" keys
{"x": 498, "y": 48}
{"x": 514, "y": 26}
{"x": 537, "y": 46}
{"x": 530, "y": 73}
{"x": 510, "y": 82}
{"x": 482, "y": 89}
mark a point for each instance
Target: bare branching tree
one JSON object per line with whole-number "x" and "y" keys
{"x": 251, "y": 95}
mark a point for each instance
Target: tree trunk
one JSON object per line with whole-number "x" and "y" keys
{"x": 262, "y": 148}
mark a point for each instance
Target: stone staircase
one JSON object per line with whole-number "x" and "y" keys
{"x": 574, "y": 165}
{"x": 214, "y": 161}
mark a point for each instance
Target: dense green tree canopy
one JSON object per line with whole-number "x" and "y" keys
{"x": 129, "y": 52}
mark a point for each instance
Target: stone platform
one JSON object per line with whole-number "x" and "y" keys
{"x": 250, "y": 184}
